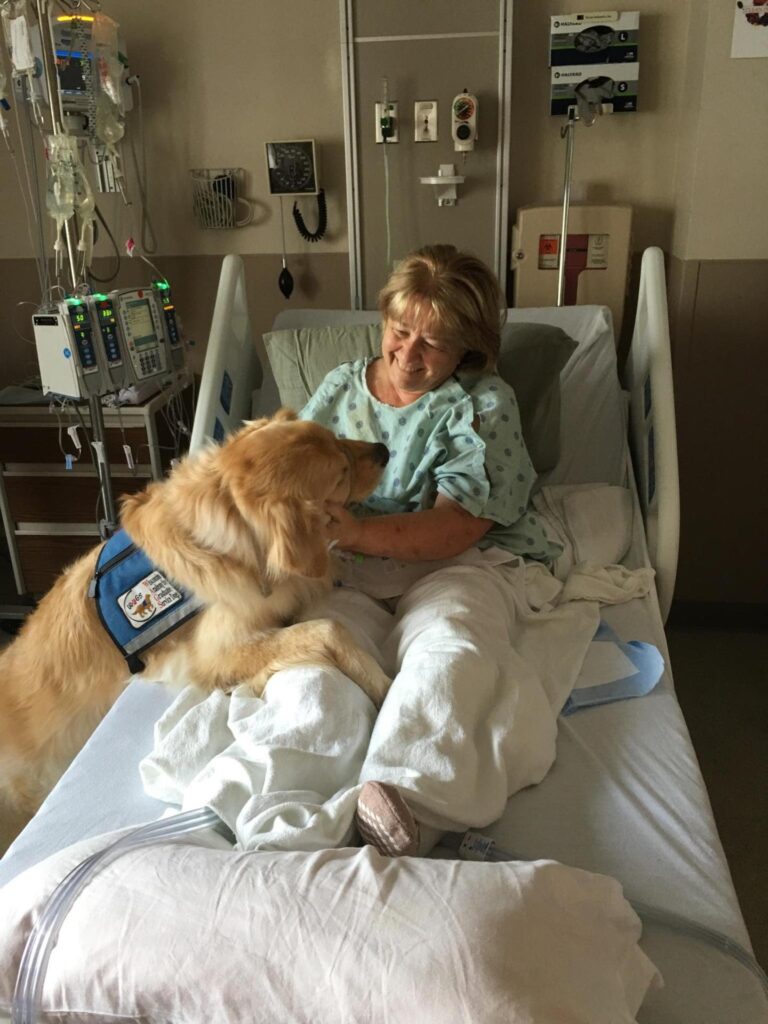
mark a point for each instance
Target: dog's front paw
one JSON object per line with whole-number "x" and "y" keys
{"x": 373, "y": 681}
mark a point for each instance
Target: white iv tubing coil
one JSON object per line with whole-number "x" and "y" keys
{"x": 25, "y": 1008}
{"x": 474, "y": 846}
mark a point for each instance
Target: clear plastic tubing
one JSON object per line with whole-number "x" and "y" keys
{"x": 473, "y": 846}
{"x": 27, "y": 995}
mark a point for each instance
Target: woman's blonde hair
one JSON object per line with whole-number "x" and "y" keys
{"x": 459, "y": 295}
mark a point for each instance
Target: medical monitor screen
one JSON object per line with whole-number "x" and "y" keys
{"x": 138, "y": 318}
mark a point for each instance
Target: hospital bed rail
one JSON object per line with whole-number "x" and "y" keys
{"x": 652, "y": 430}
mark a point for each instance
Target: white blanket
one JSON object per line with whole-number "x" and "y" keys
{"x": 191, "y": 932}
{"x": 593, "y": 522}
{"x": 470, "y": 719}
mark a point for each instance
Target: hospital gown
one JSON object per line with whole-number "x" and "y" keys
{"x": 462, "y": 440}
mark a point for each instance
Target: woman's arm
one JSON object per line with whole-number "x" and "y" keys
{"x": 440, "y": 532}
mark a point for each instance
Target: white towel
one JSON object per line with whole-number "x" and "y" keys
{"x": 609, "y": 584}
{"x": 593, "y": 522}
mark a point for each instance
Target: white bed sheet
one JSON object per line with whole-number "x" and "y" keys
{"x": 612, "y": 803}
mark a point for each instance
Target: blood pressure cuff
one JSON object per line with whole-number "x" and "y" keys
{"x": 136, "y": 603}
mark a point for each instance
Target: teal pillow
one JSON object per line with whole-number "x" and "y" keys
{"x": 530, "y": 361}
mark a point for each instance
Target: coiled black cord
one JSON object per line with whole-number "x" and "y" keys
{"x": 322, "y": 220}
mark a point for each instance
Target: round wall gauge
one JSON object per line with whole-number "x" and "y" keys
{"x": 291, "y": 168}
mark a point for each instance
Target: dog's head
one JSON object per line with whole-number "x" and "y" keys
{"x": 281, "y": 472}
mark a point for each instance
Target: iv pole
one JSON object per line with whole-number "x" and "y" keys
{"x": 566, "y": 132}
{"x": 109, "y": 524}
{"x": 586, "y": 112}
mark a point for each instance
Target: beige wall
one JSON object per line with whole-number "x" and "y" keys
{"x": 721, "y": 209}
{"x": 218, "y": 80}
{"x": 623, "y": 158}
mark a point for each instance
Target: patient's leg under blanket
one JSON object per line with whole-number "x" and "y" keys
{"x": 471, "y": 716}
{"x": 484, "y": 664}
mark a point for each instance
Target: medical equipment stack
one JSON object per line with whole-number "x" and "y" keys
{"x": 71, "y": 80}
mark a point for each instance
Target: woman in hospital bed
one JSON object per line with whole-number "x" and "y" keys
{"x": 444, "y": 579}
{"x": 455, "y": 494}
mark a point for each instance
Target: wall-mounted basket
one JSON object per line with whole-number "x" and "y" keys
{"x": 216, "y": 198}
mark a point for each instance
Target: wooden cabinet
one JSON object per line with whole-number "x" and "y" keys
{"x": 51, "y": 512}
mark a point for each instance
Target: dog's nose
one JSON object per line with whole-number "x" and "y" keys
{"x": 381, "y": 454}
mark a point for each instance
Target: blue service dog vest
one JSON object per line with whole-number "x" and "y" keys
{"x": 136, "y": 603}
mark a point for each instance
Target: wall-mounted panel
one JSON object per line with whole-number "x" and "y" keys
{"x": 408, "y": 53}
{"x": 420, "y": 70}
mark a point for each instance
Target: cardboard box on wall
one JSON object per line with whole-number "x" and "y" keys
{"x": 615, "y": 84}
{"x": 601, "y": 37}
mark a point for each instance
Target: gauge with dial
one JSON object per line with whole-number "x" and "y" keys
{"x": 292, "y": 168}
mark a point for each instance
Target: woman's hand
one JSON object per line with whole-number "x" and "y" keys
{"x": 343, "y": 527}
{"x": 440, "y": 532}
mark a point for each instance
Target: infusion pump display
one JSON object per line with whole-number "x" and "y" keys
{"x": 98, "y": 344}
{"x": 141, "y": 326}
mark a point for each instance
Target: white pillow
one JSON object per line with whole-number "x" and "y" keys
{"x": 183, "y": 934}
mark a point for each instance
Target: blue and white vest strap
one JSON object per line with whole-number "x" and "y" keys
{"x": 136, "y": 603}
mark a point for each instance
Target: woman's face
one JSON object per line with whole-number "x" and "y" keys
{"x": 416, "y": 359}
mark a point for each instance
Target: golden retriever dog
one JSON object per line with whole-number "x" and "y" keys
{"x": 241, "y": 526}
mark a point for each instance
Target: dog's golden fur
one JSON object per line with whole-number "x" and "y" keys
{"x": 242, "y": 527}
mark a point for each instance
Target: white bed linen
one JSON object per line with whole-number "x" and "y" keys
{"x": 615, "y": 801}
{"x": 487, "y": 652}
{"x": 330, "y": 936}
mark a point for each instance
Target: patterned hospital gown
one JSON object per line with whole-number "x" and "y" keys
{"x": 434, "y": 447}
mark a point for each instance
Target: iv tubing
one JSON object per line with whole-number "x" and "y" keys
{"x": 646, "y": 911}
{"x": 25, "y": 1008}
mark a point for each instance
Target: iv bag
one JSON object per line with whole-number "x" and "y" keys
{"x": 109, "y": 66}
{"x": 62, "y": 171}
{"x": 109, "y": 126}
{"x": 16, "y": 22}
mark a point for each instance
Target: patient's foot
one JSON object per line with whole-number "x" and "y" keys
{"x": 384, "y": 820}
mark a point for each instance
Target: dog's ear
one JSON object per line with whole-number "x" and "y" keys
{"x": 284, "y": 415}
{"x": 296, "y": 543}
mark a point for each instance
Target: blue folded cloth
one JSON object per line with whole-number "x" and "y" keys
{"x": 627, "y": 669}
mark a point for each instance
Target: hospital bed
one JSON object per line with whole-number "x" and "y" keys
{"x": 625, "y": 796}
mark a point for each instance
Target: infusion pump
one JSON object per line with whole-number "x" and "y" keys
{"x": 97, "y": 344}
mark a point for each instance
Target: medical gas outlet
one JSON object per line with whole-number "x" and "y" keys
{"x": 425, "y": 121}
{"x": 464, "y": 122}
{"x": 387, "y": 122}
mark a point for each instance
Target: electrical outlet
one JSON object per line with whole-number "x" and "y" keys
{"x": 387, "y": 120}
{"x": 425, "y": 121}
